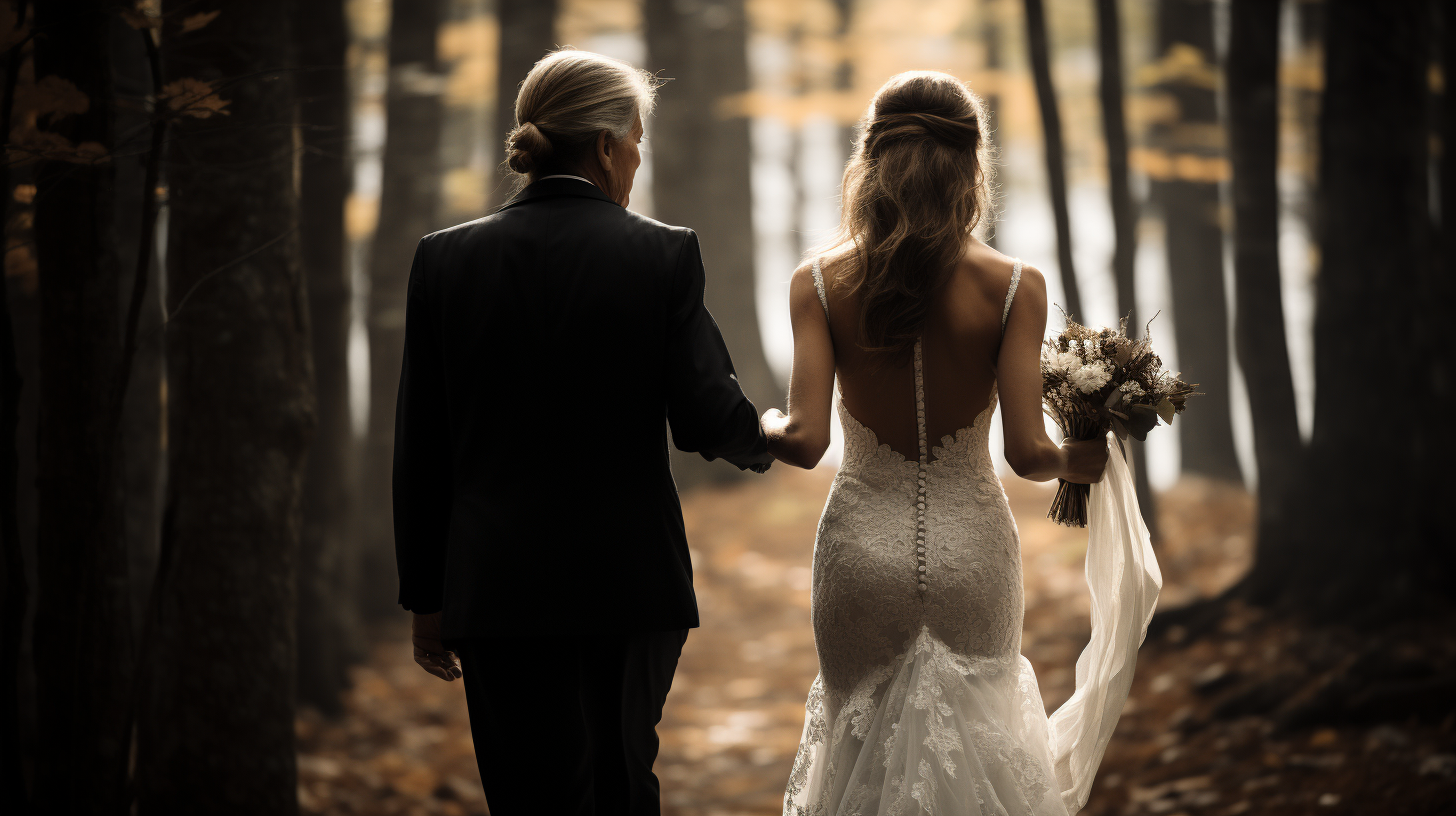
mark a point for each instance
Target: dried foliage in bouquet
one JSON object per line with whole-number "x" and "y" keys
{"x": 1100, "y": 380}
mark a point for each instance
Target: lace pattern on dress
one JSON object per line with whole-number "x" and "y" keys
{"x": 920, "y": 704}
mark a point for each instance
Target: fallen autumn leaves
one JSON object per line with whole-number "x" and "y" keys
{"x": 734, "y": 717}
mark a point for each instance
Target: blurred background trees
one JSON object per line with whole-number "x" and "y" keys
{"x": 210, "y": 211}
{"x": 329, "y": 634}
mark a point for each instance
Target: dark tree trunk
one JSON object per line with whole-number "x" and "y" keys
{"x": 328, "y": 629}
{"x": 1114, "y": 131}
{"x": 527, "y": 32}
{"x": 1051, "y": 129}
{"x": 409, "y": 209}
{"x": 1368, "y": 535}
{"x": 1190, "y": 204}
{"x": 136, "y": 75}
{"x": 1253, "y": 124}
{"x": 215, "y": 729}
{"x": 1444, "y": 387}
{"x": 83, "y": 645}
{"x": 701, "y": 170}
{"x": 16, "y": 587}
{"x": 1124, "y": 212}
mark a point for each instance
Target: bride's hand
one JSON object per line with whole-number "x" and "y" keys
{"x": 430, "y": 653}
{"x": 1086, "y": 460}
{"x": 773, "y": 421}
{"x": 775, "y": 426}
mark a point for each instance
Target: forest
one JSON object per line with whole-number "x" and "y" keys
{"x": 210, "y": 210}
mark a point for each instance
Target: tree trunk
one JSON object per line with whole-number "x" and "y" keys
{"x": 409, "y": 209}
{"x": 701, "y": 160}
{"x": 1124, "y": 212}
{"x": 215, "y": 732}
{"x": 1253, "y": 123}
{"x": 1444, "y": 386}
{"x": 16, "y": 587}
{"x": 328, "y": 628}
{"x": 83, "y": 646}
{"x": 1051, "y": 129}
{"x": 527, "y": 32}
{"x": 1368, "y": 533}
{"x": 135, "y": 208}
{"x": 1190, "y": 204}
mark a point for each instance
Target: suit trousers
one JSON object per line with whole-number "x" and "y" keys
{"x": 573, "y": 733}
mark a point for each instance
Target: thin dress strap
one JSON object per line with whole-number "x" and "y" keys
{"x": 1010, "y": 293}
{"x": 819, "y": 285}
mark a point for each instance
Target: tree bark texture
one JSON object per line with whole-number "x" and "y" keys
{"x": 409, "y": 209}
{"x": 701, "y": 169}
{"x": 16, "y": 584}
{"x": 527, "y": 33}
{"x": 1056, "y": 163}
{"x": 328, "y": 628}
{"x": 1369, "y": 537}
{"x": 215, "y": 731}
{"x": 1190, "y": 204}
{"x": 1124, "y": 211}
{"x": 1252, "y": 75}
{"x": 134, "y": 206}
{"x": 1441, "y": 375}
{"x": 83, "y": 645}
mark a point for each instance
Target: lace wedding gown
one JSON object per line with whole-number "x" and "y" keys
{"x": 923, "y": 703}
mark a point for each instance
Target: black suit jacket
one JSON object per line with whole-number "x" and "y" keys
{"x": 547, "y": 347}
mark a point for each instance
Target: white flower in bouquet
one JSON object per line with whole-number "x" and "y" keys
{"x": 1066, "y": 362}
{"x": 1131, "y": 388}
{"x": 1089, "y": 378}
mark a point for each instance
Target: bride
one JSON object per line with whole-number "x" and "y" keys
{"x": 924, "y": 702}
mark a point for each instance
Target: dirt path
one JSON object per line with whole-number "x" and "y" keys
{"x": 736, "y": 711}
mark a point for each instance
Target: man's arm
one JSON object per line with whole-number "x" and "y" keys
{"x": 421, "y": 455}
{"x": 706, "y": 406}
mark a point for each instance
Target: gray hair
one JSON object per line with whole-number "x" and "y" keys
{"x": 567, "y": 99}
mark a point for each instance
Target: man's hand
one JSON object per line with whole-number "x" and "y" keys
{"x": 429, "y": 651}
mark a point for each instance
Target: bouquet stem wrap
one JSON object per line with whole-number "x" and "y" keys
{"x": 1069, "y": 506}
{"x": 1124, "y": 579}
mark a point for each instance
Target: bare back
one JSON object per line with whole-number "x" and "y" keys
{"x": 960, "y": 347}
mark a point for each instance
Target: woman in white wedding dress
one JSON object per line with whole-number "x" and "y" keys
{"x": 924, "y": 702}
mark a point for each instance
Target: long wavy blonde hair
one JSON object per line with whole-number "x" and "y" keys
{"x": 918, "y": 181}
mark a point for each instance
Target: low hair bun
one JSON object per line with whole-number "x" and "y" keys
{"x": 527, "y": 148}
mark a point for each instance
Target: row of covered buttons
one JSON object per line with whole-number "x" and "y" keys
{"x": 920, "y": 475}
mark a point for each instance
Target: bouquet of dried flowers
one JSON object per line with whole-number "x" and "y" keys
{"x": 1096, "y": 380}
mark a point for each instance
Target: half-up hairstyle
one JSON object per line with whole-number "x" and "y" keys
{"x": 567, "y": 99}
{"x": 916, "y": 184}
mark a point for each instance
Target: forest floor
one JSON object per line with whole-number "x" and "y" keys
{"x": 1238, "y": 720}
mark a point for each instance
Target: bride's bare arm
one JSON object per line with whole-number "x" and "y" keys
{"x": 801, "y": 437}
{"x": 1029, "y": 451}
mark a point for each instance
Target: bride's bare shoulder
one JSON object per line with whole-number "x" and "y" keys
{"x": 831, "y": 264}
{"x": 990, "y": 271}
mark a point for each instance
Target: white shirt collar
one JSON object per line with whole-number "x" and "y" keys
{"x": 564, "y": 175}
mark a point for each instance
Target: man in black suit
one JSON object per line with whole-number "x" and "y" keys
{"x": 538, "y": 530}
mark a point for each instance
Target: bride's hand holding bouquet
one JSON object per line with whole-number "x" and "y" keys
{"x": 1100, "y": 380}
